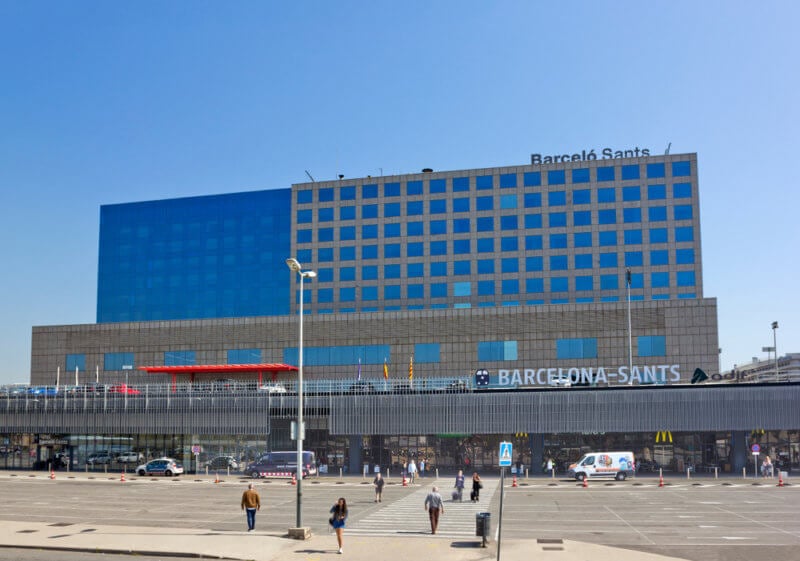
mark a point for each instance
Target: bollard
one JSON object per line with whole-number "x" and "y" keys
{"x": 389, "y": 473}
{"x": 716, "y": 472}
{"x": 364, "y": 475}
{"x": 744, "y": 473}
{"x": 552, "y": 473}
{"x": 229, "y": 471}
{"x": 340, "y": 473}
{"x": 437, "y": 473}
{"x": 688, "y": 474}
{"x": 526, "y": 474}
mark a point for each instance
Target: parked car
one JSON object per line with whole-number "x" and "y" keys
{"x": 161, "y": 466}
{"x": 123, "y": 389}
{"x": 99, "y": 458}
{"x": 223, "y": 462}
{"x": 43, "y": 390}
{"x": 129, "y": 457}
{"x": 272, "y": 388}
{"x": 281, "y": 464}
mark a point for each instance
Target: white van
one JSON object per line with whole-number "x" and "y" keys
{"x": 618, "y": 465}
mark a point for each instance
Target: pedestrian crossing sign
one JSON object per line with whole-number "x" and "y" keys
{"x": 505, "y": 454}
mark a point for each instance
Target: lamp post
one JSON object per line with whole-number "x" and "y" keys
{"x": 775, "y": 347}
{"x": 630, "y": 335}
{"x": 294, "y": 265}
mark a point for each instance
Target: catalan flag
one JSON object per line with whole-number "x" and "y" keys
{"x": 411, "y": 369}
{"x": 385, "y": 369}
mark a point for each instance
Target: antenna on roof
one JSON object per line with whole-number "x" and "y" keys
{"x": 310, "y": 177}
{"x": 666, "y": 152}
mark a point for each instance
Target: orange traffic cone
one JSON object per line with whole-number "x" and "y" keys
{"x": 216, "y": 478}
{"x": 780, "y": 479}
{"x": 661, "y": 480}
{"x": 585, "y": 481}
{"x": 514, "y": 481}
{"x": 405, "y": 481}
{"x": 122, "y": 477}
{"x": 294, "y": 479}
{"x": 52, "y": 474}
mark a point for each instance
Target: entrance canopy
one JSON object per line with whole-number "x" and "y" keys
{"x": 204, "y": 369}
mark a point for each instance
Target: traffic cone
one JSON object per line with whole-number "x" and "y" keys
{"x": 514, "y": 481}
{"x": 294, "y": 479}
{"x": 122, "y": 477}
{"x": 216, "y": 478}
{"x": 585, "y": 481}
{"x": 780, "y": 479}
{"x": 52, "y": 474}
{"x": 661, "y": 480}
{"x": 405, "y": 481}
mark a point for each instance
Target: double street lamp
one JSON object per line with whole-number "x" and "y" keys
{"x": 775, "y": 347}
{"x": 295, "y": 266}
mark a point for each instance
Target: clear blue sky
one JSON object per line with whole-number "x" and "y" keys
{"x": 109, "y": 102}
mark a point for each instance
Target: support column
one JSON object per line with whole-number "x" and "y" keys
{"x": 536, "y": 442}
{"x": 356, "y": 444}
{"x": 738, "y": 451}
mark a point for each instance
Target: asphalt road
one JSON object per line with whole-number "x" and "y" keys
{"x": 702, "y": 520}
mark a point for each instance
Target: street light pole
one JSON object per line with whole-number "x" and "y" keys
{"x": 295, "y": 266}
{"x": 630, "y": 335}
{"x": 775, "y": 347}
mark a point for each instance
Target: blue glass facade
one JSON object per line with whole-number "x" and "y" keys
{"x": 199, "y": 257}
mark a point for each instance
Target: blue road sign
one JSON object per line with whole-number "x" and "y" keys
{"x": 505, "y": 454}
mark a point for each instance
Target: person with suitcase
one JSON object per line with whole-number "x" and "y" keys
{"x": 458, "y": 494}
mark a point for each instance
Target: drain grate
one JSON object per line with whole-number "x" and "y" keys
{"x": 550, "y": 540}
{"x": 553, "y": 548}
{"x": 27, "y": 531}
{"x": 60, "y": 524}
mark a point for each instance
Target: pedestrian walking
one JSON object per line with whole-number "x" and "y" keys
{"x": 422, "y": 467}
{"x": 412, "y": 470}
{"x": 435, "y": 507}
{"x": 477, "y": 485}
{"x": 459, "y": 493}
{"x": 549, "y": 467}
{"x": 251, "y": 502}
{"x": 337, "y": 520}
{"x": 378, "y": 482}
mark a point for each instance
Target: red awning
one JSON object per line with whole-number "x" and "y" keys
{"x": 219, "y": 368}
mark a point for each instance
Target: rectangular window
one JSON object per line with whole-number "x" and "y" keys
{"x": 557, "y": 198}
{"x": 391, "y": 190}
{"x": 347, "y": 233}
{"x": 369, "y": 293}
{"x": 484, "y": 182}
{"x": 485, "y": 224}
{"x": 580, "y": 175}
{"x": 533, "y": 221}
{"x": 347, "y": 213}
{"x": 653, "y": 345}
{"x": 461, "y": 204}
{"x": 605, "y": 174}
{"x": 369, "y": 211}
{"x": 659, "y": 257}
{"x": 657, "y": 213}
{"x": 681, "y": 169}
{"x": 631, "y": 215}
{"x": 463, "y": 288}
{"x": 485, "y": 266}
{"x": 369, "y": 191}
{"x": 533, "y": 242}
{"x": 304, "y": 236}
{"x": 508, "y": 201}
{"x": 414, "y": 208}
{"x": 325, "y": 195}
{"x": 608, "y": 238}
{"x": 559, "y": 284}
{"x": 655, "y": 170}
{"x": 497, "y": 351}
{"x": 509, "y": 243}
{"x": 576, "y": 348}
{"x": 583, "y": 261}
{"x": 439, "y": 269}
{"x": 179, "y": 358}
{"x": 369, "y": 272}
{"x": 633, "y": 259}
{"x": 683, "y": 212}
{"x": 436, "y": 187}
{"x": 391, "y": 230}
{"x": 510, "y": 286}
{"x": 438, "y": 206}
{"x": 682, "y": 191}
{"x": 416, "y": 291}
{"x": 659, "y": 280}
{"x": 304, "y": 216}
{"x": 484, "y": 203}
{"x": 630, "y": 172}
{"x": 325, "y": 254}
{"x": 369, "y": 251}
{"x": 684, "y": 256}
{"x": 415, "y": 249}
{"x": 124, "y": 361}
{"x": 460, "y": 184}
{"x": 632, "y": 237}
{"x": 391, "y": 271}
{"x": 438, "y": 227}
{"x": 426, "y": 352}
{"x": 439, "y": 248}
{"x": 684, "y": 234}
{"x": 656, "y": 192}
{"x": 534, "y": 286}
{"x": 558, "y": 219}
{"x": 462, "y": 268}
{"x": 658, "y": 235}
{"x": 305, "y": 196}
{"x": 508, "y": 180}
{"x": 582, "y": 197}
{"x": 347, "y": 274}
{"x": 462, "y": 247}
{"x": 325, "y": 274}
{"x": 534, "y": 263}
{"x": 485, "y": 245}
{"x": 391, "y": 210}
{"x": 347, "y": 294}
{"x": 509, "y": 265}
{"x": 632, "y": 193}
{"x": 415, "y": 229}
{"x": 415, "y": 270}
{"x": 369, "y": 231}
{"x": 608, "y": 260}
{"x": 582, "y": 218}
{"x": 391, "y": 251}
{"x": 556, "y": 177}
{"x": 558, "y": 263}
{"x": 583, "y": 239}
{"x": 584, "y": 283}
{"x": 606, "y": 195}
{"x": 325, "y": 215}
{"x": 609, "y": 282}
{"x": 415, "y": 187}
{"x": 391, "y": 292}
{"x": 461, "y": 226}
{"x": 486, "y": 288}
{"x": 532, "y": 178}
{"x": 558, "y": 241}
{"x": 347, "y": 253}
{"x": 607, "y": 216}
{"x": 533, "y": 200}
{"x": 347, "y": 193}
